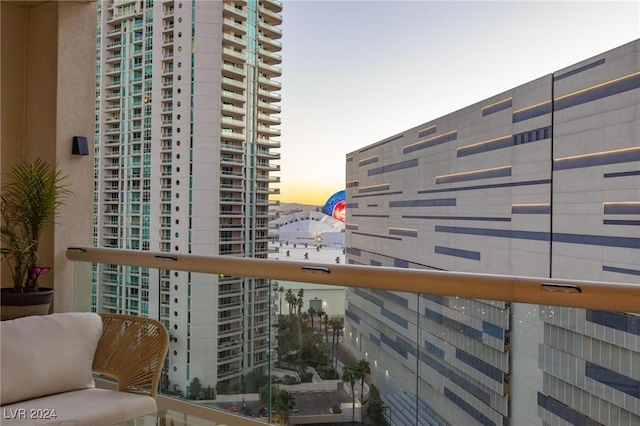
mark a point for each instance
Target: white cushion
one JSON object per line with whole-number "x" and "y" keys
{"x": 45, "y": 355}
{"x": 91, "y": 407}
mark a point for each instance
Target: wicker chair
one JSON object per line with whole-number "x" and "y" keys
{"x": 132, "y": 351}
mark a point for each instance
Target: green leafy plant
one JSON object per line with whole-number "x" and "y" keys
{"x": 350, "y": 375}
{"x": 30, "y": 203}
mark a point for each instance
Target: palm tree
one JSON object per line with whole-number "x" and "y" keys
{"x": 312, "y": 313}
{"x": 291, "y": 300}
{"x": 282, "y": 401}
{"x": 337, "y": 328}
{"x": 300, "y": 301}
{"x": 364, "y": 369}
{"x": 334, "y": 325}
{"x": 325, "y": 321}
{"x": 263, "y": 394}
{"x": 320, "y": 314}
{"x": 350, "y": 375}
{"x": 281, "y": 291}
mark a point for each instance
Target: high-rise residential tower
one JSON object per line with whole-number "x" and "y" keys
{"x": 185, "y": 114}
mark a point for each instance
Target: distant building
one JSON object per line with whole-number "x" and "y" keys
{"x": 309, "y": 227}
{"x": 541, "y": 180}
{"x": 309, "y": 237}
{"x": 336, "y": 206}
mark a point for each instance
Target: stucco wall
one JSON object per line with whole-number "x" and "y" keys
{"x": 48, "y": 95}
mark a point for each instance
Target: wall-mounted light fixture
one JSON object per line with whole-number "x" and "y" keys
{"x": 80, "y": 146}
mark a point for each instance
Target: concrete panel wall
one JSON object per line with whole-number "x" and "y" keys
{"x": 541, "y": 180}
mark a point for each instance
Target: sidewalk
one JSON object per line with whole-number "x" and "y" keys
{"x": 345, "y": 355}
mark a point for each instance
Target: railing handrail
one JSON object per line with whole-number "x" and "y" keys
{"x": 606, "y": 296}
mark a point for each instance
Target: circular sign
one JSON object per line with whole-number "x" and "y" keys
{"x": 336, "y": 206}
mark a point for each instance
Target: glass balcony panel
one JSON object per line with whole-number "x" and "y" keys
{"x": 433, "y": 358}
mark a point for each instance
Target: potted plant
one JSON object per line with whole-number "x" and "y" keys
{"x": 29, "y": 207}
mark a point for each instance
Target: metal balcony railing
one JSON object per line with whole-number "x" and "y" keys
{"x": 609, "y": 296}
{"x": 254, "y": 329}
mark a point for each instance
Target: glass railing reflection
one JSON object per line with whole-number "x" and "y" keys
{"x": 272, "y": 349}
{"x": 243, "y": 345}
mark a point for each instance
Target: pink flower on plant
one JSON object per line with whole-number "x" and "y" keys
{"x": 41, "y": 270}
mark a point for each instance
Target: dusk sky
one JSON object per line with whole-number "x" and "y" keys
{"x": 356, "y": 72}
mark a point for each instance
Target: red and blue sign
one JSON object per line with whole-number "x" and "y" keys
{"x": 336, "y": 206}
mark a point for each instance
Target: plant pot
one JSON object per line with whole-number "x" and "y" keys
{"x": 16, "y": 305}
